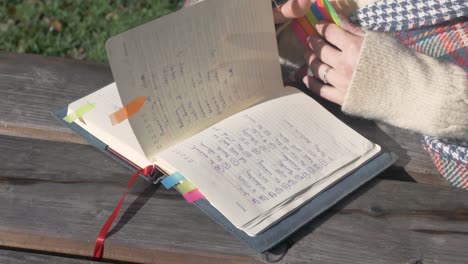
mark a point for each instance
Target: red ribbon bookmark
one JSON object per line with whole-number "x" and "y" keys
{"x": 99, "y": 245}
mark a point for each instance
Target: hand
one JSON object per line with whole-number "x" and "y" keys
{"x": 291, "y": 9}
{"x": 332, "y": 59}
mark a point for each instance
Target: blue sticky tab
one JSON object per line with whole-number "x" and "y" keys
{"x": 172, "y": 180}
{"x": 314, "y": 8}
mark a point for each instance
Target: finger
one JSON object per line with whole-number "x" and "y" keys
{"x": 323, "y": 90}
{"x": 350, "y": 27}
{"x": 291, "y": 9}
{"x": 325, "y": 51}
{"x": 319, "y": 68}
{"x": 334, "y": 34}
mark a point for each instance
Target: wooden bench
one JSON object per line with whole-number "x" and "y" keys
{"x": 56, "y": 191}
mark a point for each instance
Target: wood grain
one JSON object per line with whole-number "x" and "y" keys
{"x": 55, "y": 196}
{"x": 63, "y": 192}
{"x": 21, "y": 257}
{"x": 389, "y": 222}
{"x": 34, "y": 86}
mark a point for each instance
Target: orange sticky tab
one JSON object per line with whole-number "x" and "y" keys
{"x": 306, "y": 26}
{"x": 128, "y": 110}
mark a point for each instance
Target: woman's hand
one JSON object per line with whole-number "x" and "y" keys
{"x": 290, "y": 9}
{"x": 332, "y": 59}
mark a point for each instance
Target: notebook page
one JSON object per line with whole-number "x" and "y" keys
{"x": 97, "y": 122}
{"x": 196, "y": 67}
{"x": 253, "y": 161}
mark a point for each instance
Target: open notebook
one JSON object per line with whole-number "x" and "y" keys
{"x": 266, "y": 158}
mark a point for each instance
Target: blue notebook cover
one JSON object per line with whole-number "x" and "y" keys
{"x": 290, "y": 224}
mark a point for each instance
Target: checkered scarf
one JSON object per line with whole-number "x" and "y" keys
{"x": 438, "y": 29}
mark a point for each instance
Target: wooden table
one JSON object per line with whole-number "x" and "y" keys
{"x": 56, "y": 191}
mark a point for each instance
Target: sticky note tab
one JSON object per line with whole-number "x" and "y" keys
{"x": 336, "y": 18}
{"x": 301, "y": 35}
{"x": 193, "y": 196}
{"x": 311, "y": 17}
{"x": 185, "y": 186}
{"x": 315, "y": 10}
{"x": 172, "y": 180}
{"x": 78, "y": 113}
{"x": 306, "y": 26}
{"x": 128, "y": 110}
{"x": 323, "y": 10}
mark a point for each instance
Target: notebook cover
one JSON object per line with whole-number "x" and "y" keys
{"x": 286, "y": 227}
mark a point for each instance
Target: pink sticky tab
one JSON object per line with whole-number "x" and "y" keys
{"x": 301, "y": 35}
{"x": 193, "y": 196}
{"x": 323, "y": 10}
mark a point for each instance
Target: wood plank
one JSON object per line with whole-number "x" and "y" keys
{"x": 389, "y": 222}
{"x": 63, "y": 193}
{"x": 21, "y": 257}
{"x": 55, "y": 196}
{"x": 34, "y": 86}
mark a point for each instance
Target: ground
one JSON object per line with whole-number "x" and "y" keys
{"x": 73, "y": 28}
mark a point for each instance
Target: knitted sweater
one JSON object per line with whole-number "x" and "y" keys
{"x": 400, "y": 86}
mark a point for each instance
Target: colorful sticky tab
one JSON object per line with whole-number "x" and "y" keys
{"x": 323, "y": 10}
{"x": 315, "y": 10}
{"x": 335, "y": 17}
{"x": 301, "y": 35}
{"x": 306, "y": 26}
{"x": 185, "y": 186}
{"x": 128, "y": 110}
{"x": 193, "y": 196}
{"x": 311, "y": 17}
{"x": 78, "y": 113}
{"x": 172, "y": 180}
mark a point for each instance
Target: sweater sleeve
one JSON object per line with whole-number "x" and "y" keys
{"x": 402, "y": 87}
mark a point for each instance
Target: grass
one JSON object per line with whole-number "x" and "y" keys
{"x": 73, "y": 28}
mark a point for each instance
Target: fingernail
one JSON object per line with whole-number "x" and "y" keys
{"x": 305, "y": 80}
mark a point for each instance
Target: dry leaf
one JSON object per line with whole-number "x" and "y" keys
{"x": 56, "y": 24}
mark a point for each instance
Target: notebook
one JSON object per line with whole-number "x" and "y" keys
{"x": 198, "y": 93}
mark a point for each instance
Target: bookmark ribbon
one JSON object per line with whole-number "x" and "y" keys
{"x": 172, "y": 180}
{"x": 128, "y": 110}
{"x": 78, "y": 113}
{"x": 99, "y": 245}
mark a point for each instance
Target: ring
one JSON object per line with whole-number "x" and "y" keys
{"x": 309, "y": 72}
{"x": 324, "y": 79}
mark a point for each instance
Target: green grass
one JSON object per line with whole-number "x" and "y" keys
{"x": 73, "y": 28}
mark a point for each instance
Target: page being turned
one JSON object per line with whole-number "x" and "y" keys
{"x": 196, "y": 67}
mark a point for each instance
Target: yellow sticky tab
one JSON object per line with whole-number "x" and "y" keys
{"x": 185, "y": 187}
{"x": 78, "y": 113}
{"x": 311, "y": 17}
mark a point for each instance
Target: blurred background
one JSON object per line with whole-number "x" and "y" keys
{"x": 75, "y": 29}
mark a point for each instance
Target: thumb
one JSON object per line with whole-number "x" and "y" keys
{"x": 291, "y": 9}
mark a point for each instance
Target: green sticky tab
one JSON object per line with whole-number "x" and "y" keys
{"x": 78, "y": 113}
{"x": 311, "y": 17}
{"x": 185, "y": 187}
{"x": 333, "y": 14}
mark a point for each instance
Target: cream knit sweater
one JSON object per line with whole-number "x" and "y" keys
{"x": 402, "y": 87}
